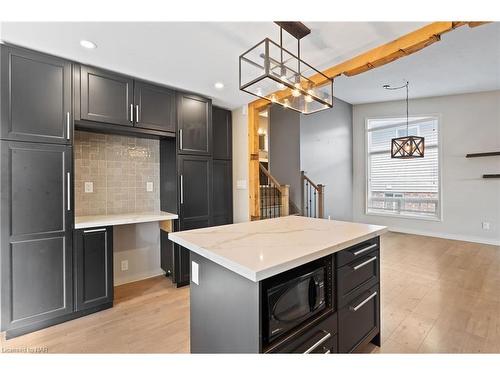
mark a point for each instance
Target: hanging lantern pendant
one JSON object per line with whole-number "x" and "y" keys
{"x": 408, "y": 147}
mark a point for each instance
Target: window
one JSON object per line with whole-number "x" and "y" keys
{"x": 403, "y": 187}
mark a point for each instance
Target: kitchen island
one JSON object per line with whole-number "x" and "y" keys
{"x": 290, "y": 284}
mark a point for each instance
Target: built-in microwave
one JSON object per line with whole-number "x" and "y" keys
{"x": 296, "y": 296}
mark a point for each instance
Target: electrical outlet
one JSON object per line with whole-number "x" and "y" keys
{"x": 486, "y": 225}
{"x": 124, "y": 265}
{"x": 89, "y": 187}
{"x": 149, "y": 186}
{"x": 241, "y": 184}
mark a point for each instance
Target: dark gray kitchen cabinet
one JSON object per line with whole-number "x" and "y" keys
{"x": 222, "y": 192}
{"x": 195, "y": 187}
{"x": 194, "y": 124}
{"x": 36, "y": 238}
{"x": 154, "y": 107}
{"x": 93, "y": 249}
{"x": 106, "y": 97}
{"x": 36, "y": 101}
{"x": 359, "y": 320}
{"x": 222, "y": 134}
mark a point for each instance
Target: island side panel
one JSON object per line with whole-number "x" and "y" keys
{"x": 225, "y": 310}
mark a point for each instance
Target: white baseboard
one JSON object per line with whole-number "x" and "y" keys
{"x": 137, "y": 277}
{"x": 448, "y": 236}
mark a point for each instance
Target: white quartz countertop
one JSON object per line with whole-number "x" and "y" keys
{"x": 261, "y": 249}
{"x": 120, "y": 219}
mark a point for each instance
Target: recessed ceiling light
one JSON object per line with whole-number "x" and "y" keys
{"x": 87, "y": 44}
{"x": 219, "y": 85}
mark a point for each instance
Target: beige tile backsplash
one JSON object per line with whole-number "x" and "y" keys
{"x": 119, "y": 167}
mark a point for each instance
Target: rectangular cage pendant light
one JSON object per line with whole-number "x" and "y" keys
{"x": 408, "y": 147}
{"x": 269, "y": 71}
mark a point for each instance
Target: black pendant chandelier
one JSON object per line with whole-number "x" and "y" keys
{"x": 271, "y": 72}
{"x": 408, "y": 147}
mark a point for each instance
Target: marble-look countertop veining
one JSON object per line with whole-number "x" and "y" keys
{"x": 260, "y": 249}
{"x": 120, "y": 219}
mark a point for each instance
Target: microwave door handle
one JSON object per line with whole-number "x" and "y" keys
{"x": 312, "y": 294}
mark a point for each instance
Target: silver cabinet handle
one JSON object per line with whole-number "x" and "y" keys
{"x": 364, "y": 250}
{"x": 318, "y": 343}
{"x": 364, "y": 302}
{"x": 327, "y": 352}
{"x": 137, "y": 113}
{"x": 67, "y": 125}
{"x": 180, "y": 139}
{"x": 182, "y": 189}
{"x": 94, "y": 230}
{"x": 131, "y": 113}
{"x": 358, "y": 266}
{"x": 68, "y": 190}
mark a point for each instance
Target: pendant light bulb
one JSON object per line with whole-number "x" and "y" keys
{"x": 295, "y": 93}
{"x": 308, "y": 98}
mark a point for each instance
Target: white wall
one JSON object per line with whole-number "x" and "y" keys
{"x": 240, "y": 166}
{"x": 140, "y": 245}
{"x": 468, "y": 123}
{"x": 326, "y": 156}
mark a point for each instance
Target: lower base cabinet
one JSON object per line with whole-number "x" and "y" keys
{"x": 93, "y": 267}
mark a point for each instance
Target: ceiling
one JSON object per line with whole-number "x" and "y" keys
{"x": 195, "y": 55}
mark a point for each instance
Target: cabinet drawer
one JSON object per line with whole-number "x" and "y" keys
{"x": 355, "y": 277}
{"x": 359, "y": 319}
{"x": 356, "y": 252}
{"x": 316, "y": 337}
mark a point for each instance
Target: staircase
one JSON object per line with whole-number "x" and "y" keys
{"x": 313, "y": 198}
{"x": 274, "y": 197}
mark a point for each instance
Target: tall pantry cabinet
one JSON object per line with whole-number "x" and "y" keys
{"x": 36, "y": 198}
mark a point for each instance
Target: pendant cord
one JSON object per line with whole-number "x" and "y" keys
{"x": 407, "y": 108}
{"x": 281, "y": 46}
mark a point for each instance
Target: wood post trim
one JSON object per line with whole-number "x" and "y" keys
{"x": 285, "y": 203}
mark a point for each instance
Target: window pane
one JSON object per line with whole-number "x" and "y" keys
{"x": 408, "y": 187}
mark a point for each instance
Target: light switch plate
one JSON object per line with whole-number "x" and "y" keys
{"x": 89, "y": 187}
{"x": 124, "y": 265}
{"x": 486, "y": 225}
{"x": 194, "y": 273}
{"x": 241, "y": 184}
{"x": 149, "y": 186}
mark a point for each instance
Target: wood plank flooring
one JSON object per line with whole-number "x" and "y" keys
{"x": 437, "y": 296}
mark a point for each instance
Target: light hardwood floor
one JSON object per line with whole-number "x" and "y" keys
{"x": 438, "y": 296}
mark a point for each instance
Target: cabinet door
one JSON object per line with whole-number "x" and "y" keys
{"x": 195, "y": 187}
{"x": 94, "y": 267}
{"x": 222, "y": 134}
{"x": 222, "y": 192}
{"x": 359, "y": 320}
{"x": 194, "y": 124}
{"x": 36, "y": 221}
{"x": 36, "y": 97}
{"x": 106, "y": 97}
{"x": 154, "y": 107}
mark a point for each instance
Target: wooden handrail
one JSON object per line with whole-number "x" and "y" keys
{"x": 320, "y": 189}
{"x": 268, "y": 175}
{"x": 309, "y": 180}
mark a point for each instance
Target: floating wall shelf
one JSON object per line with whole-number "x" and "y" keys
{"x": 483, "y": 154}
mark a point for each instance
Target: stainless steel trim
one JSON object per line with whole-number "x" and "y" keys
{"x": 321, "y": 341}
{"x": 182, "y": 189}
{"x": 95, "y": 230}
{"x": 131, "y": 113}
{"x": 358, "y": 266}
{"x": 68, "y": 190}
{"x": 137, "y": 113}
{"x": 365, "y": 301}
{"x": 67, "y": 125}
{"x": 364, "y": 250}
{"x": 180, "y": 139}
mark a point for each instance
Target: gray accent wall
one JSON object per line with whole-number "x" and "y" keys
{"x": 326, "y": 156}
{"x": 284, "y": 149}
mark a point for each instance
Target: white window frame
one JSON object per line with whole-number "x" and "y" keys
{"x": 439, "y": 217}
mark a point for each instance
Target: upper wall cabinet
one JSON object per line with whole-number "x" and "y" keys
{"x": 194, "y": 124}
{"x": 221, "y": 120}
{"x": 106, "y": 97}
{"x": 154, "y": 107}
{"x": 36, "y": 97}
